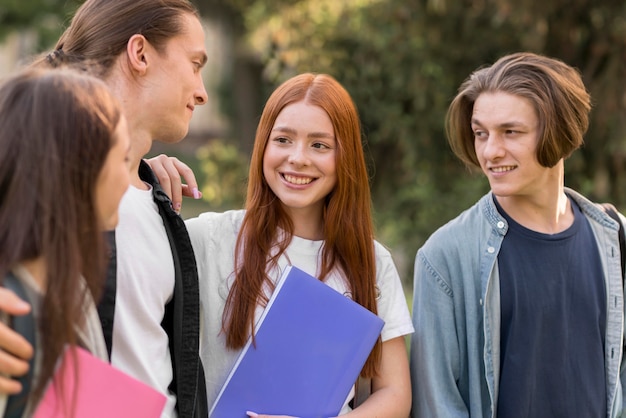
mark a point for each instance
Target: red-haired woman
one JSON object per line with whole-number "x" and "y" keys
{"x": 308, "y": 205}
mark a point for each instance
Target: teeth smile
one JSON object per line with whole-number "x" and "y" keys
{"x": 297, "y": 180}
{"x": 502, "y": 169}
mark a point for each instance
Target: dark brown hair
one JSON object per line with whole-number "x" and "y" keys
{"x": 56, "y": 130}
{"x": 348, "y": 228}
{"x": 554, "y": 89}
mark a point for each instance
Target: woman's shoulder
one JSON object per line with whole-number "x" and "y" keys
{"x": 385, "y": 264}
{"x": 215, "y": 221}
{"x": 213, "y": 228}
{"x": 381, "y": 251}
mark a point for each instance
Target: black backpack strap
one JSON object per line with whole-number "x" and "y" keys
{"x": 25, "y": 326}
{"x": 612, "y": 212}
{"x": 106, "y": 305}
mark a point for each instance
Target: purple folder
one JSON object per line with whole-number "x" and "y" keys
{"x": 311, "y": 344}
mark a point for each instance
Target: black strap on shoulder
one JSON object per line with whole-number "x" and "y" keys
{"x": 612, "y": 212}
{"x": 25, "y": 326}
{"x": 106, "y": 305}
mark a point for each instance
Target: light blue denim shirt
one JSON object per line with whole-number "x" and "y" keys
{"x": 455, "y": 350}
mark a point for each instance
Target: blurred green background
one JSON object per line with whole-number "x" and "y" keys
{"x": 402, "y": 61}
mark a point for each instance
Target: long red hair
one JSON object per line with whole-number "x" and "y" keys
{"x": 348, "y": 227}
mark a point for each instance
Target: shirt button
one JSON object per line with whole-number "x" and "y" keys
{"x": 491, "y": 250}
{"x": 500, "y": 224}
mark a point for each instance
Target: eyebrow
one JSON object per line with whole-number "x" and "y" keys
{"x": 292, "y": 131}
{"x": 202, "y": 55}
{"x": 198, "y": 54}
{"x": 203, "y": 59}
{"x": 505, "y": 125}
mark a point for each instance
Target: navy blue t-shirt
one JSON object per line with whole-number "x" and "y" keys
{"x": 553, "y": 323}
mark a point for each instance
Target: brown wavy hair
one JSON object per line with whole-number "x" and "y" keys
{"x": 56, "y": 130}
{"x": 348, "y": 228}
{"x": 554, "y": 89}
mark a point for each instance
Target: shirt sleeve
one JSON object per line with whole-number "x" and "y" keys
{"x": 392, "y": 304}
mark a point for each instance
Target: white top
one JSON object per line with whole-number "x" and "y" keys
{"x": 214, "y": 235}
{"x": 145, "y": 284}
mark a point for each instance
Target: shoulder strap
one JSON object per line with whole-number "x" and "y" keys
{"x": 612, "y": 212}
{"x": 25, "y": 326}
{"x": 106, "y": 305}
{"x": 362, "y": 392}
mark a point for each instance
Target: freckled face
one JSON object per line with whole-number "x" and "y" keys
{"x": 299, "y": 162}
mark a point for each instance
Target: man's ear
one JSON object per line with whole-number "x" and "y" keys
{"x": 137, "y": 50}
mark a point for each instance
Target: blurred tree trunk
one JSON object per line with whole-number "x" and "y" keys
{"x": 241, "y": 88}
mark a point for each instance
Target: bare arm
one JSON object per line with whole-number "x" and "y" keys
{"x": 391, "y": 389}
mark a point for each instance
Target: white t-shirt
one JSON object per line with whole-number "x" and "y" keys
{"x": 145, "y": 284}
{"x": 214, "y": 235}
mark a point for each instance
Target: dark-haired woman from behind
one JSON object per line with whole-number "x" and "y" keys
{"x": 63, "y": 170}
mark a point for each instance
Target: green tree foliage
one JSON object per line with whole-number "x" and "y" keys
{"x": 402, "y": 61}
{"x": 225, "y": 170}
{"x": 44, "y": 16}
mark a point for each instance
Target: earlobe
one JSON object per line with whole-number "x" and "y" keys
{"x": 137, "y": 49}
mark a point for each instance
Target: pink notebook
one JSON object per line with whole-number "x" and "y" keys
{"x": 103, "y": 391}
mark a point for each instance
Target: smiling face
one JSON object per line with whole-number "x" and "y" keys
{"x": 176, "y": 81}
{"x": 506, "y": 134}
{"x": 299, "y": 163}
